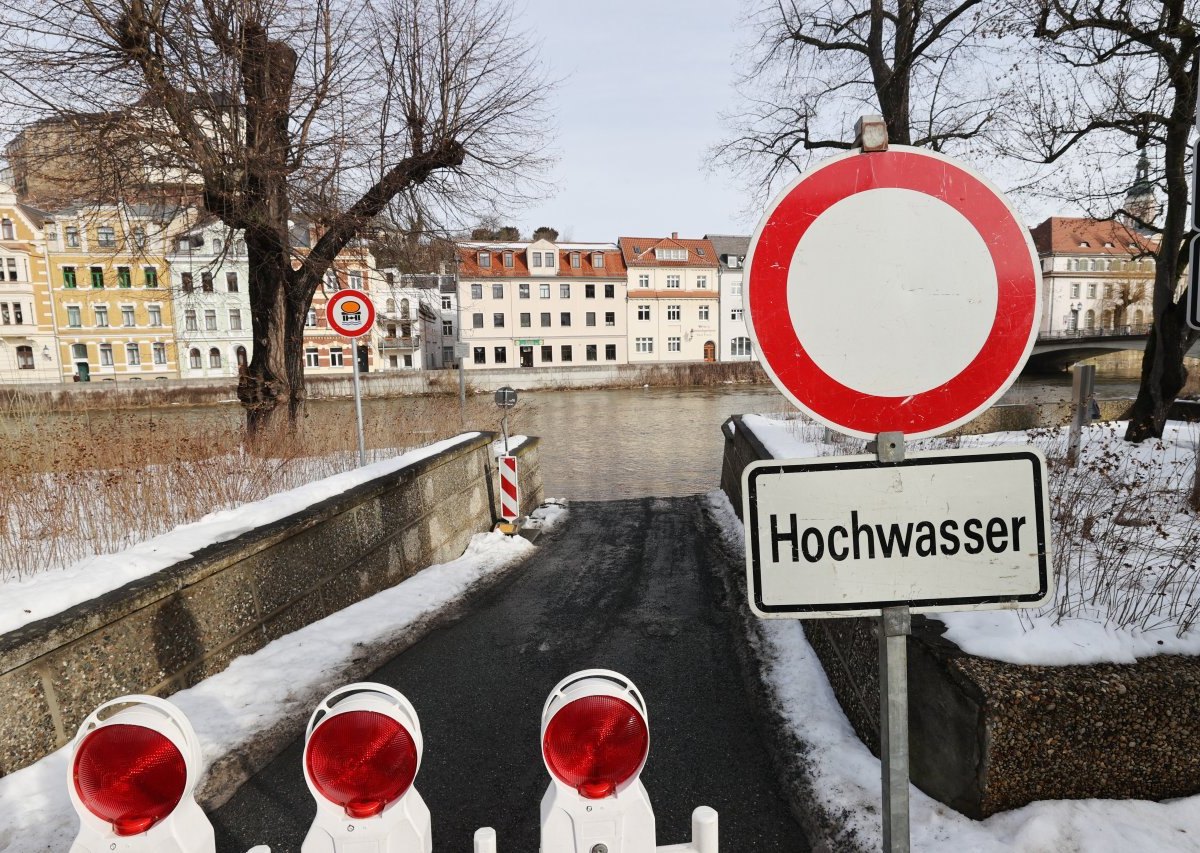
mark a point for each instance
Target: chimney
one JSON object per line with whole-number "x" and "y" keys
{"x": 674, "y": 235}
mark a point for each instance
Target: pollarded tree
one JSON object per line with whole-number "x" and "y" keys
{"x": 818, "y": 65}
{"x": 270, "y": 113}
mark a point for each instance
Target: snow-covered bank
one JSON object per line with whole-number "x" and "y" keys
{"x": 281, "y": 681}
{"x": 1126, "y": 547}
{"x": 845, "y": 777}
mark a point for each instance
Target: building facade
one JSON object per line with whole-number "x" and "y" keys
{"x": 28, "y": 350}
{"x": 673, "y": 310}
{"x": 541, "y": 304}
{"x": 410, "y": 331}
{"x": 731, "y": 259}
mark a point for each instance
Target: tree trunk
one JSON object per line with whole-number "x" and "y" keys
{"x": 1163, "y": 375}
{"x": 271, "y": 376}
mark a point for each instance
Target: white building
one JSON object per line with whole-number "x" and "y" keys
{"x": 735, "y": 334}
{"x": 674, "y": 308}
{"x": 541, "y": 304}
{"x": 410, "y": 332}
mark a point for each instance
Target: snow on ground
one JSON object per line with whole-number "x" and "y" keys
{"x": 1123, "y": 539}
{"x": 275, "y": 683}
{"x": 42, "y": 595}
{"x": 845, "y": 776}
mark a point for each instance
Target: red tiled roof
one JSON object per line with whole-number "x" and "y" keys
{"x": 639, "y": 251}
{"x": 468, "y": 263}
{"x": 1066, "y": 235}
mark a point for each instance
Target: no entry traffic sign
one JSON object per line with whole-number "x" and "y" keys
{"x": 892, "y": 291}
{"x": 350, "y": 313}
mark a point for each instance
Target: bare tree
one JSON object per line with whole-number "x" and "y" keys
{"x": 819, "y": 64}
{"x": 273, "y": 113}
{"x": 1117, "y": 76}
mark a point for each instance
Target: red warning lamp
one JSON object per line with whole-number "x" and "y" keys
{"x": 361, "y": 760}
{"x": 596, "y": 743}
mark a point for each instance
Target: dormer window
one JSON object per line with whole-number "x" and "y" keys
{"x": 1108, "y": 245}
{"x": 485, "y": 259}
{"x": 1084, "y": 244}
{"x": 598, "y": 260}
{"x": 664, "y": 254}
{"x": 575, "y": 260}
{"x": 508, "y": 259}
{"x": 535, "y": 259}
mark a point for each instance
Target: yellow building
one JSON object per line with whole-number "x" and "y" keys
{"x": 111, "y": 292}
{"x": 28, "y": 352}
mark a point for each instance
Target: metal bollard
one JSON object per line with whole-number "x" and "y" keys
{"x": 485, "y": 840}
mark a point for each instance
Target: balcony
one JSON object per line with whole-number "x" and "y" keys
{"x": 411, "y": 343}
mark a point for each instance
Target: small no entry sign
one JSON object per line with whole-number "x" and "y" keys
{"x": 892, "y": 291}
{"x": 350, "y": 313}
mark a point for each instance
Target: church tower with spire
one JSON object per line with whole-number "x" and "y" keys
{"x": 1140, "y": 204}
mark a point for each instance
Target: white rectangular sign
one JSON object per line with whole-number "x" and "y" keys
{"x": 941, "y": 530}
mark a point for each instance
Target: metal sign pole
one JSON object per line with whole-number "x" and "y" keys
{"x": 362, "y": 444}
{"x": 895, "y": 624}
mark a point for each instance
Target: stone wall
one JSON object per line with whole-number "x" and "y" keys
{"x": 167, "y": 631}
{"x": 986, "y": 735}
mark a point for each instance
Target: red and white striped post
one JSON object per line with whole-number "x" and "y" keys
{"x": 510, "y": 501}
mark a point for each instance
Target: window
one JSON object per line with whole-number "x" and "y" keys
{"x": 214, "y": 357}
{"x": 598, "y": 262}
{"x": 497, "y": 291}
{"x": 123, "y": 277}
{"x": 139, "y": 238}
{"x": 566, "y": 352}
{"x": 235, "y": 319}
{"x": 448, "y": 328}
{"x": 127, "y": 316}
{"x": 497, "y": 321}
{"x": 739, "y": 347}
{"x": 79, "y": 352}
{"x": 477, "y": 321}
{"x": 501, "y": 355}
{"x": 589, "y": 319}
{"x": 231, "y": 282}
{"x": 703, "y": 312}
{"x": 337, "y": 357}
{"x": 150, "y": 276}
{"x": 545, "y": 318}
{"x": 210, "y": 320}
{"x": 1091, "y": 290}
{"x": 312, "y": 358}
{"x": 589, "y": 291}
{"x": 610, "y": 352}
{"x": 610, "y": 290}
{"x": 206, "y": 281}
{"x": 24, "y": 358}
{"x": 6, "y": 230}
{"x": 1107, "y": 290}
{"x": 97, "y": 276}
{"x": 702, "y": 282}
{"x": 11, "y": 267}
{"x": 17, "y": 318}
{"x": 673, "y": 312}
{"x": 508, "y": 259}
{"x": 102, "y": 316}
{"x": 674, "y": 345}
{"x": 610, "y": 318}
{"x": 133, "y": 355}
{"x": 564, "y": 318}
{"x": 526, "y": 320}
{"x": 544, "y": 291}
{"x": 671, "y": 254}
{"x": 644, "y": 280}
{"x": 736, "y": 313}
{"x": 72, "y": 237}
{"x": 404, "y": 312}
{"x": 106, "y": 236}
{"x": 184, "y": 244}
{"x": 310, "y": 319}
{"x": 5, "y": 317}
{"x": 355, "y": 284}
{"x": 536, "y": 259}
{"x": 1074, "y": 290}
{"x": 185, "y": 281}
{"x": 547, "y": 354}
{"x": 160, "y": 353}
{"x": 672, "y": 282}
{"x": 189, "y": 320}
{"x": 106, "y": 358}
{"x": 480, "y": 355}
{"x": 590, "y": 352}
{"x": 73, "y": 319}
{"x": 52, "y": 233}
{"x": 522, "y": 291}
{"x": 194, "y": 358}
{"x": 735, "y": 288}
{"x": 643, "y": 344}
{"x": 575, "y": 260}
{"x": 448, "y": 356}
{"x": 643, "y": 312}
{"x": 447, "y": 303}
{"x": 155, "y": 312}
{"x": 564, "y": 291}
{"x": 477, "y": 291}
{"x": 485, "y": 259}
{"x": 69, "y": 277}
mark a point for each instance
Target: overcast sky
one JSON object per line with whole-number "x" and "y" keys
{"x": 643, "y": 83}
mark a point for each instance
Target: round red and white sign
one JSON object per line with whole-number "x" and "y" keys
{"x": 892, "y": 291}
{"x": 350, "y": 313}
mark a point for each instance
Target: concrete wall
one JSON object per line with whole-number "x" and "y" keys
{"x": 987, "y": 735}
{"x": 167, "y": 631}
